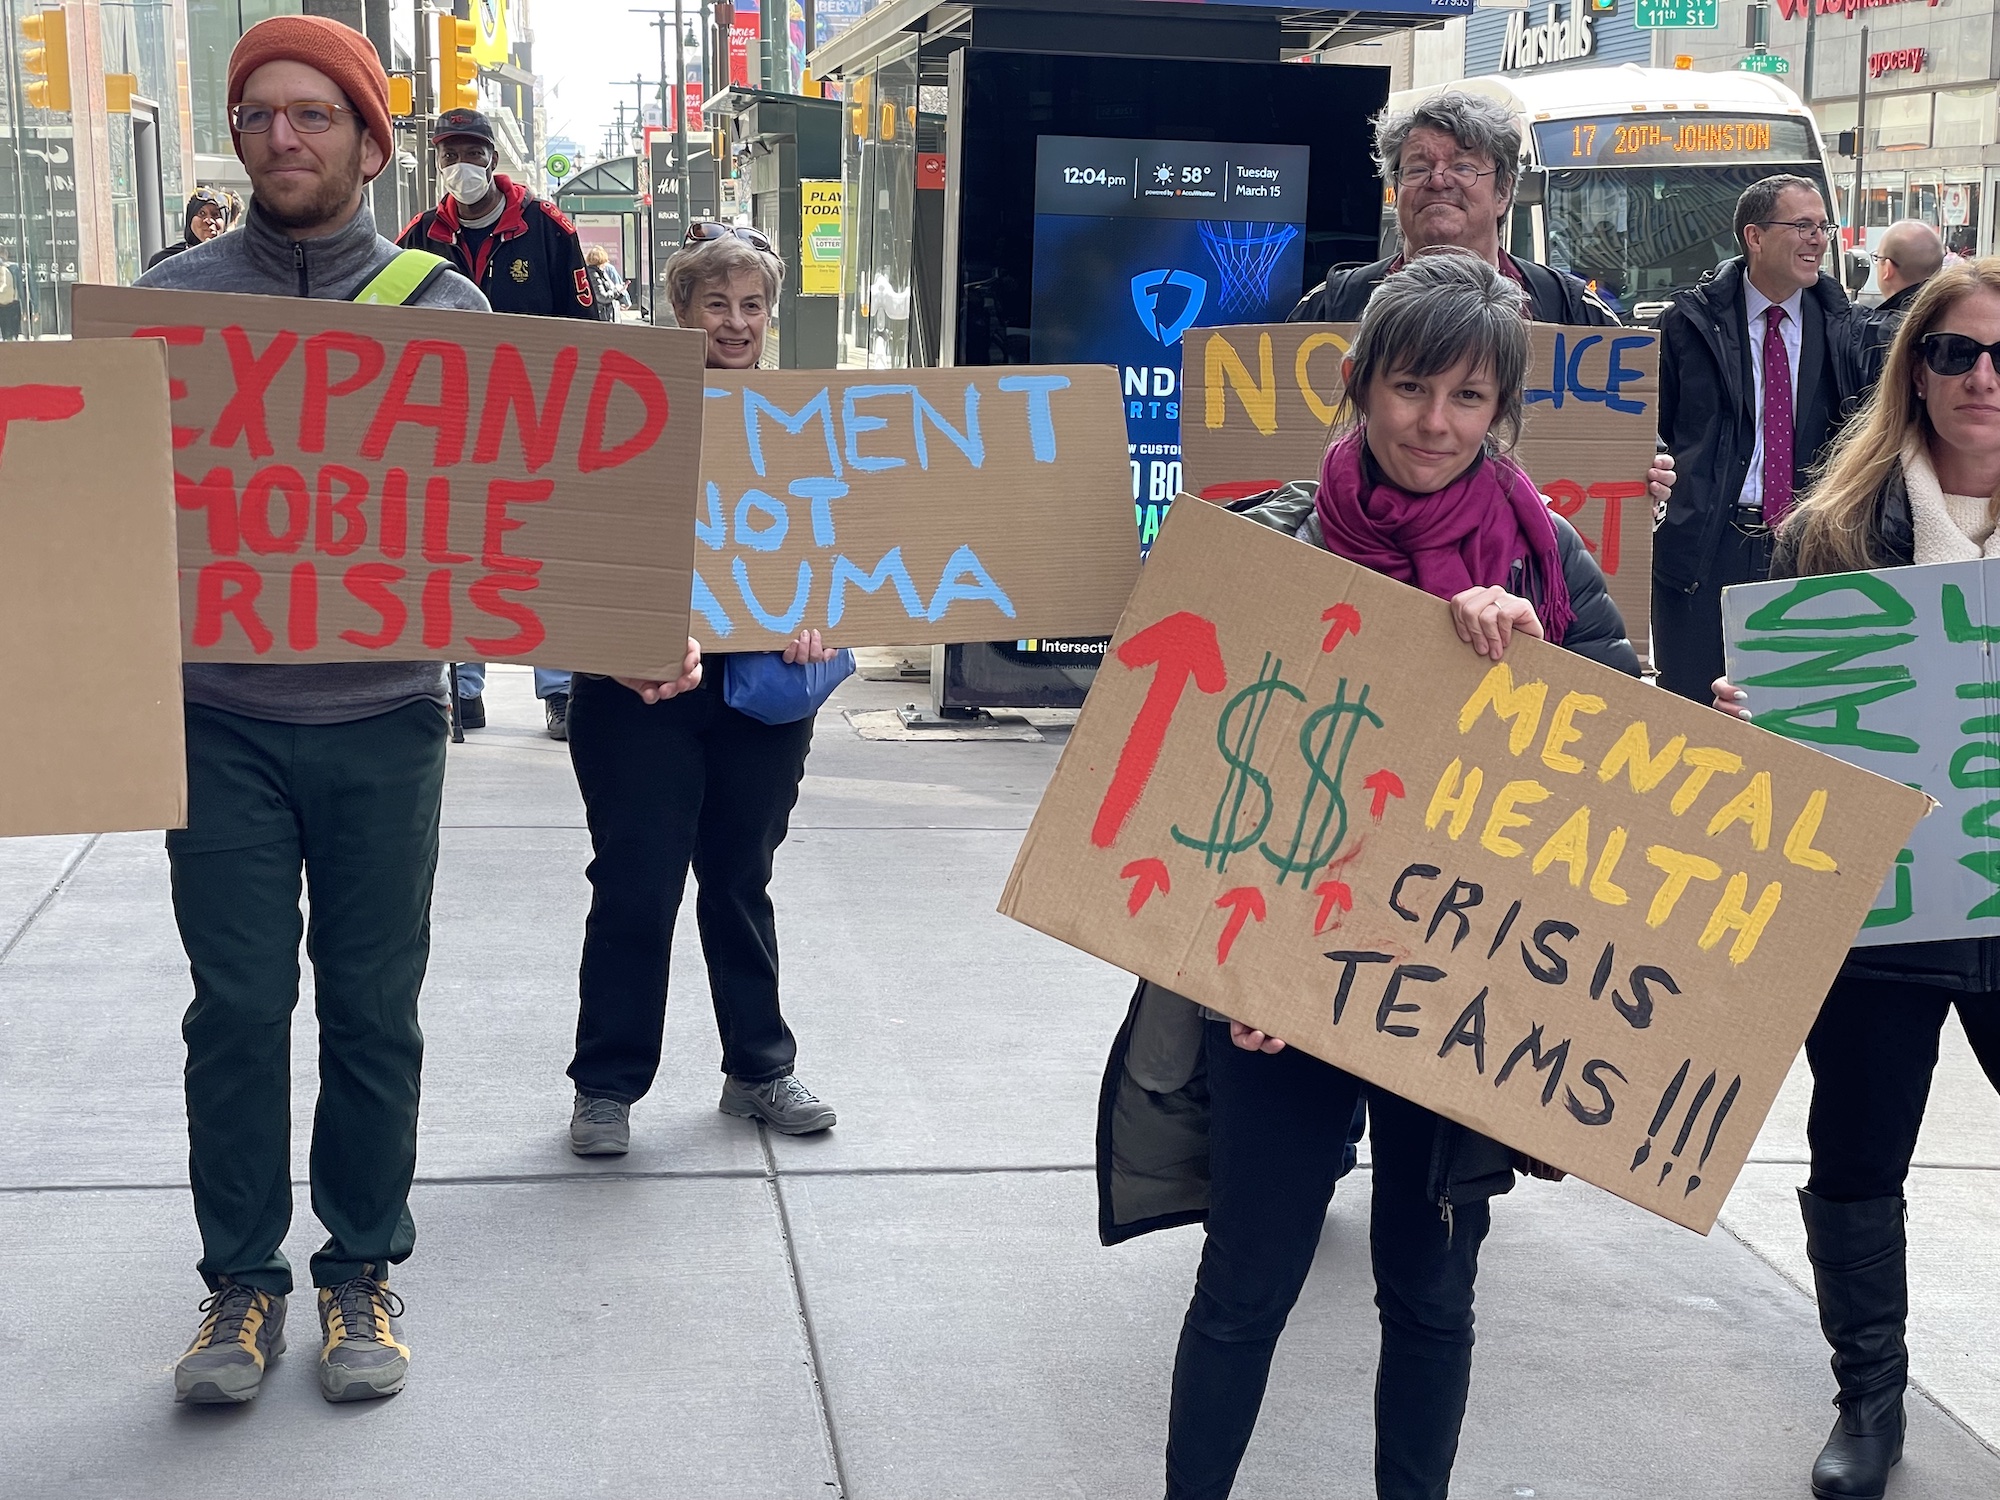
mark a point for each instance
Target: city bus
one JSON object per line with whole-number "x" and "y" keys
{"x": 1630, "y": 175}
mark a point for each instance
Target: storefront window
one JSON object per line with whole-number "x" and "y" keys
{"x": 214, "y": 27}
{"x": 1899, "y": 121}
{"x": 146, "y": 192}
{"x": 1965, "y": 117}
{"x": 880, "y": 166}
{"x": 38, "y": 219}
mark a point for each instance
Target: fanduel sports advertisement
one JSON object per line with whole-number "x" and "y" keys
{"x": 1136, "y": 242}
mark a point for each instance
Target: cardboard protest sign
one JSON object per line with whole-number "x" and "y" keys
{"x": 1259, "y": 399}
{"x": 959, "y": 504}
{"x": 1564, "y": 908}
{"x": 88, "y": 606}
{"x": 1893, "y": 671}
{"x": 389, "y": 483}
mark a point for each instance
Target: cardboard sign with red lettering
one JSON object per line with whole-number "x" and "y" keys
{"x": 1258, "y": 401}
{"x": 386, "y": 483}
{"x": 967, "y": 504}
{"x": 88, "y": 603}
{"x": 1573, "y": 912}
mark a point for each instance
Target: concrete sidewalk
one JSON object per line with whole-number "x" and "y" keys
{"x": 913, "y": 1307}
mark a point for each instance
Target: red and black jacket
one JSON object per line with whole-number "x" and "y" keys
{"x": 530, "y": 261}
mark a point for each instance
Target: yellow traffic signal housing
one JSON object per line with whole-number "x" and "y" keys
{"x": 402, "y": 96}
{"x": 458, "y": 74}
{"x": 46, "y": 62}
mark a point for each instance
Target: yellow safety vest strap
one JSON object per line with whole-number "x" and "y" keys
{"x": 404, "y": 279}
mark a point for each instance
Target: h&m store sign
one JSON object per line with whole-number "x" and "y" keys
{"x": 1559, "y": 34}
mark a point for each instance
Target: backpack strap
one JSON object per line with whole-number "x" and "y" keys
{"x": 404, "y": 279}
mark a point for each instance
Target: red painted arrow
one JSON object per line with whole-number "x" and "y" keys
{"x": 1151, "y": 875}
{"x": 1182, "y": 646}
{"x": 1245, "y": 902}
{"x": 1384, "y": 784}
{"x": 1331, "y": 893}
{"x": 1346, "y": 621}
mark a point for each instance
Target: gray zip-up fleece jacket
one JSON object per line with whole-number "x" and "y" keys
{"x": 259, "y": 258}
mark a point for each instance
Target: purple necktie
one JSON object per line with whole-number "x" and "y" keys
{"x": 1777, "y": 419}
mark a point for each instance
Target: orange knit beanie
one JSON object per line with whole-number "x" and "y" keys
{"x": 340, "y": 52}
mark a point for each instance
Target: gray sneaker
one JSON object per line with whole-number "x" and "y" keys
{"x": 600, "y": 1127}
{"x": 784, "y": 1104}
{"x": 242, "y": 1332}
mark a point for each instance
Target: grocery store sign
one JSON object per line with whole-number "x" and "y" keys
{"x": 1901, "y": 60}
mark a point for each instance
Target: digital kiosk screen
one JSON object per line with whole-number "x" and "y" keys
{"x": 1135, "y": 243}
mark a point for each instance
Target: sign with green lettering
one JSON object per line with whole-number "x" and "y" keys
{"x": 1894, "y": 672}
{"x": 1676, "y": 15}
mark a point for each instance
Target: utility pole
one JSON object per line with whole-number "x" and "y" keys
{"x": 1857, "y": 216}
{"x": 677, "y": 101}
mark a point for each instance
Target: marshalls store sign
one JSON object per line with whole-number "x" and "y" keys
{"x": 1527, "y": 46}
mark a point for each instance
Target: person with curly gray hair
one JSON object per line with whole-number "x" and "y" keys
{"x": 1418, "y": 486}
{"x": 1452, "y": 160}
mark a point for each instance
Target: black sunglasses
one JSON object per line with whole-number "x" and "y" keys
{"x": 1956, "y": 354}
{"x": 708, "y": 229}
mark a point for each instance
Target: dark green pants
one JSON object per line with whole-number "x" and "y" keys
{"x": 355, "y": 806}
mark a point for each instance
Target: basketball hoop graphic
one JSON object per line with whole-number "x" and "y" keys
{"x": 1246, "y": 255}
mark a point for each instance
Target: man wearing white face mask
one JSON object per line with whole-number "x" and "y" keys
{"x": 523, "y": 252}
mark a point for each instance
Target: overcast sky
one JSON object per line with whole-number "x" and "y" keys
{"x": 582, "y": 49}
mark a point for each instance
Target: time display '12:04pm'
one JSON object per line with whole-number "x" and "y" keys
{"x": 1675, "y": 139}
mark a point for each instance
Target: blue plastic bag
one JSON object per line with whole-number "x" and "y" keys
{"x": 772, "y": 690}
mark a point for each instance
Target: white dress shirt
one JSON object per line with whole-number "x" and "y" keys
{"x": 1792, "y": 331}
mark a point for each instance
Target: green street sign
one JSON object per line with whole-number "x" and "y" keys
{"x": 559, "y": 165}
{"x": 1765, "y": 62}
{"x": 1676, "y": 15}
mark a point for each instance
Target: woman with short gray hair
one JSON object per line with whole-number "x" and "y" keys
{"x": 691, "y": 782}
{"x": 1418, "y": 486}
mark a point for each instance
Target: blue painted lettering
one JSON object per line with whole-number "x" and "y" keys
{"x": 703, "y": 602}
{"x": 786, "y": 623}
{"x": 1041, "y": 423}
{"x": 890, "y": 570}
{"x": 968, "y": 442}
{"x": 951, "y": 585}
{"x": 712, "y": 533}
{"x": 821, "y": 491}
{"x": 855, "y": 422}
{"x": 756, "y": 406}
{"x": 767, "y": 538}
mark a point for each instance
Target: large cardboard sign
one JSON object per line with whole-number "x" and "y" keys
{"x": 389, "y": 483}
{"x": 1259, "y": 401}
{"x": 88, "y": 606}
{"x": 1893, "y": 671}
{"x": 1555, "y": 904}
{"x": 961, "y": 504}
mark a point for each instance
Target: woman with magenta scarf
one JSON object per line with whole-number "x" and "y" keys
{"x": 1420, "y": 488}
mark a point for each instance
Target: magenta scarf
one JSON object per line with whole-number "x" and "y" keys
{"x": 1467, "y": 535}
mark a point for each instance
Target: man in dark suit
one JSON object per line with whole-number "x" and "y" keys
{"x": 1758, "y": 363}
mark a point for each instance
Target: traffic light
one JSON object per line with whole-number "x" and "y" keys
{"x": 46, "y": 62}
{"x": 458, "y": 74}
{"x": 402, "y": 96}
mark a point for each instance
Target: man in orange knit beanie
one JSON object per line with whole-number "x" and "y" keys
{"x": 331, "y": 771}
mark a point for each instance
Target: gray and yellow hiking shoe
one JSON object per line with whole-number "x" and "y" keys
{"x": 600, "y": 1127}
{"x": 361, "y": 1358}
{"x": 242, "y": 1332}
{"x": 784, "y": 1104}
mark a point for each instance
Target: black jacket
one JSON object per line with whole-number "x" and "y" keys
{"x": 529, "y": 262}
{"x": 1875, "y": 328}
{"x": 1952, "y": 963}
{"x": 1553, "y": 296}
{"x": 1152, "y": 1111}
{"x": 1706, "y": 420}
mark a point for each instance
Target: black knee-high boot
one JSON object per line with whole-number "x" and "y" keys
{"x": 1857, "y": 1254}
{"x": 1218, "y": 1388}
{"x": 1419, "y": 1408}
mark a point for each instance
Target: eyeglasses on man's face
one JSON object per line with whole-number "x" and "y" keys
{"x": 1805, "y": 229}
{"x": 1461, "y": 174}
{"x": 307, "y": 116}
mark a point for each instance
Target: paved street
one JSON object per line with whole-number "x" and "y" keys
{"x": 913, "y": 1307}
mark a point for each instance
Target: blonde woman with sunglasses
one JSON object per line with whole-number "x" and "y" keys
{"x": 1913, "y": 479}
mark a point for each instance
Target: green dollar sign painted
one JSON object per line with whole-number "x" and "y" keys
{"x": 1327, "y": 733}
{"x": 1236, "y": 737}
